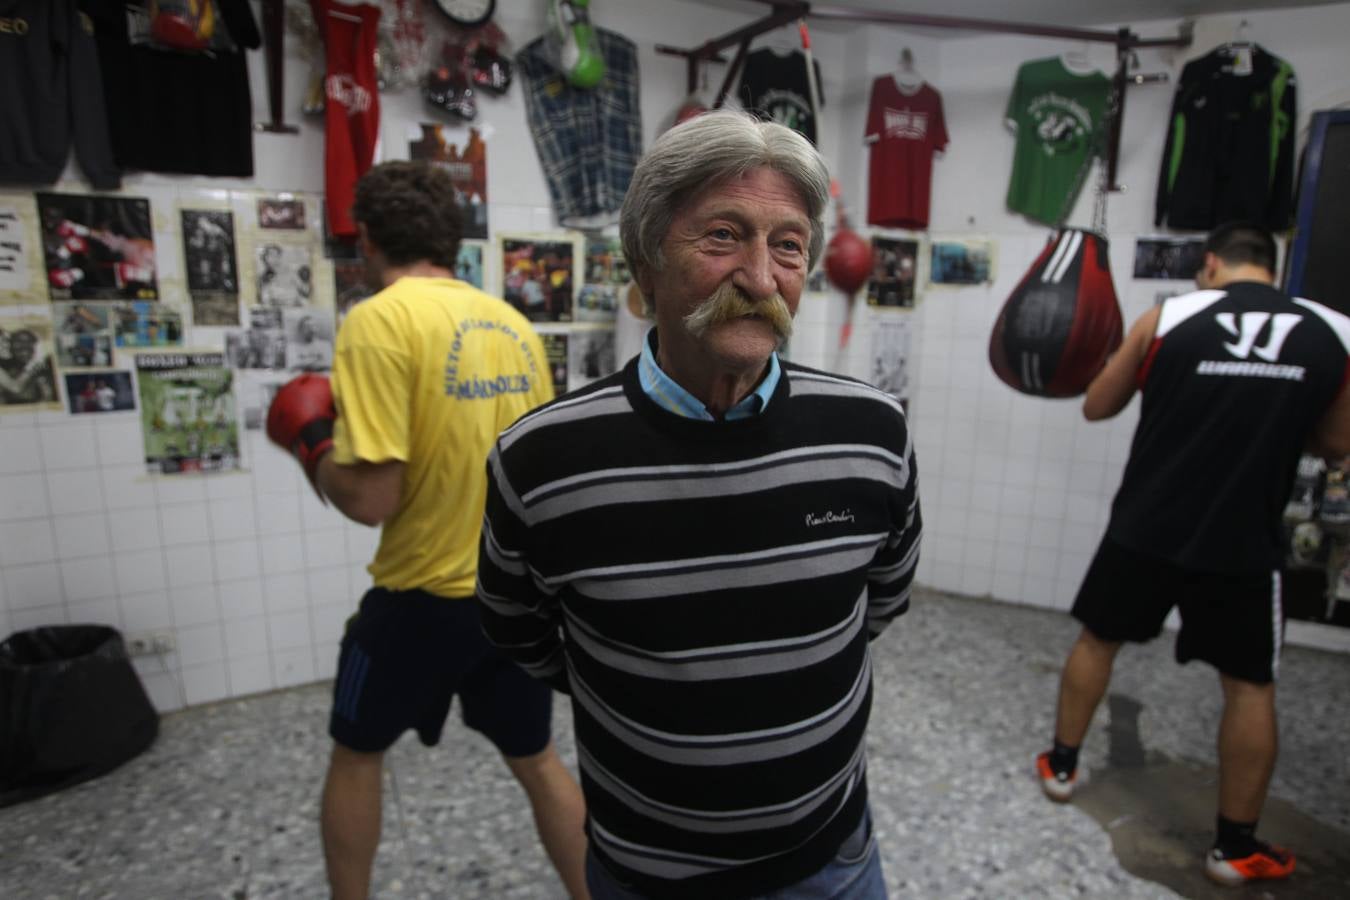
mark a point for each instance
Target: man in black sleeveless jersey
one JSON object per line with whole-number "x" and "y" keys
{"x": 1237, "y": 381}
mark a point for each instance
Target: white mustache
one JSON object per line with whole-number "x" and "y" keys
{"x": 730, "y": 302}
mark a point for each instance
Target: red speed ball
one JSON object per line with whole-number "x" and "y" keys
{"x": 848, "y": 260}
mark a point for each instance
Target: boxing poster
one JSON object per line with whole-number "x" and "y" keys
{"x": 285, "y": 274}
{"x": 891, "y": 361}
{"x": 98, "y": 248}
{"x": 555, "y": 348}
{"x": 590, "y": 356}
{"x": 462, "y": 152}
{"x": 212, "y": 269}
{"x": 309, "y": 339}
{"x": 13, "y": 251}
{"x": 538, "y": 275}
{"x": 143, "y": 324}
{"x": 469, "y": 264}
{"x": 961, "y": 261}
{"x": 895, "y": 269}
{"x": 187, "y": 412}
{"x": 27, "y": 376}
{"x": 83, "y": 334}
{"x": 1168, "y": 259}
{"x": 99, "y": 392}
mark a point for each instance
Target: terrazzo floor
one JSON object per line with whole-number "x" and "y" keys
{"x": 225, "y": 803}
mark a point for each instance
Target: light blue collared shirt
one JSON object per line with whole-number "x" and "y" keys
{"x": 668, "y": 395}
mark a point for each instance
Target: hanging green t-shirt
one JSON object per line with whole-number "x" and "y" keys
{"x": 1057, "y": 115}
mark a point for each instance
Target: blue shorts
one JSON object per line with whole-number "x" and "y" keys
{"x": 407, "y": 653}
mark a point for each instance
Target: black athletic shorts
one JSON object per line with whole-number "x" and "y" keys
{"x": 1233, "y": 622}
{"x": 407, "y": 653}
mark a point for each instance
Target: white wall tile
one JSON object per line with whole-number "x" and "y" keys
{"x": 128, "y": 487}
{"x": 330, "y": 622}
{"x": 101, "y": 611}
{"x": 120, "y": 442}
{"x": 134, "y": 529}
{"x": 233, "y": 517}
{"x": 20, "y": 451}
{"x": 82, "y": 535}
{"x": 185, "y": 488}
{"x": 250, "y": 674}
{"x": 246, "y": 637}
{"x": 283, "y": 553}
{"x": 88, "y": 578}
{"x": 184, "y": 523}
{"x": 147, "y": 611}
{"x": 237, "y": 559}
{"x": 205, "y": 684}
{"x": 327, "y": 586}
{"x": 32, "y": 586}
{"x": 292, "y": 667}
{"x": 325, "y": 664}
{"x": 241, "y": 599}
{"x": 285, "y": 592}
{"x": 25, "y": 497}
{"x": 199, "y": 644}
{"x": 361, "y": 543}
{"x": 163, "y": 690}
{"x": 289, "y": 630}
{"x": 194, "y": 605}
{"x": 25, "y": 542}
{"x": 225, "y": 485}
{"x": 325, "y": 549}
{"x": 38, "y": 617}
{"x": 75, "y": 491}
{"x": 189, "y": 565}
{"x": 278, "y": 513}
{"x": 70, "y": 446}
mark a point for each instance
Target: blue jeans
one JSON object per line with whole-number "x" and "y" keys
{"x": 853, "y": 874}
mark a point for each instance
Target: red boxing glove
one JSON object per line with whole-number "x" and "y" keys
{"x": 68, "y": 228}
{"x": 300, "y": 421}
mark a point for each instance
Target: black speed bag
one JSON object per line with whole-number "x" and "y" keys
{"x": 1056, "y": 331}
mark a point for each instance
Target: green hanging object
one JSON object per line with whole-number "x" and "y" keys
{"x": 581, "y": 60}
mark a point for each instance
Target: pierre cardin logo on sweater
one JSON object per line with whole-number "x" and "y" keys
{"x": 828, "y": 517}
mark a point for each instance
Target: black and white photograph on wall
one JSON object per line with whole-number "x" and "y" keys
{"x": 187, "y": 412}
{"x": 309, "y": 339}
{"x": 255, "y": 389}
{"x": 13, "y": 250}
{"x": 469, "y": 264}
{"x": 537, "y": 277}
{"x": 82, "y": 334}
{"x": 260, "y": 346}
{"x": 208, "y": 251}
{"x": 285, "y": 274}
{"x": 83, "y": 351}
{"x": 281, "y": 213}
{"x": 891, "y": 361}
{"x": 462, "y": 152}
{"x": 27, "y": 376}
{"x": 144, "y": 324}
{"x": 895, "y": 269}
{"x": 98, "y": 248}
{"x": 590, "y": 355}
{"x": 350, "y": 285}
{"x": 1168, "y": 259}
{"x": 99, "y": 392}
{"x": 555, "y": 348}
{"x": 78, "y": 317}
{"x": 961, "y": 261}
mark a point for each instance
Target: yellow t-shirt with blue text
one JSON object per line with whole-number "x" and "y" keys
{"x": 428, "y": 372}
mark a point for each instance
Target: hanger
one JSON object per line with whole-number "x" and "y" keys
{"x": 1077, "y": 60}
{"x": 906, "y": 78}
{"x": 1242, "y": 38}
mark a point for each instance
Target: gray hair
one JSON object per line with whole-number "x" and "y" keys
{"x": 707, "y": 151}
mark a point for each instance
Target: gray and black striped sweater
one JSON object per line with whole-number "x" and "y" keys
{"x": 706, "y": 591}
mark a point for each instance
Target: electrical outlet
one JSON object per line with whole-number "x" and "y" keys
{"x": 149, "y": 643}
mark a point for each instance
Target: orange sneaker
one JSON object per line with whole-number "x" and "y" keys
{"x": 1057, "y": 786}
{"x": 1265, "y": 862}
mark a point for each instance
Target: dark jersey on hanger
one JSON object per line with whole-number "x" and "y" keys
{"x": 1233, "y": 385}
{"x": 1230, "y": 144}
{"x": 775, "y": 87}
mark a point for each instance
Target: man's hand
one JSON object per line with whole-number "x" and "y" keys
{"x": 300, "y": 421}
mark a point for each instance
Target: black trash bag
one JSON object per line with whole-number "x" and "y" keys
{"x": 72, "y": 708}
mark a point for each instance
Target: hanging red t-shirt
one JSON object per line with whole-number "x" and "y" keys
{"x": 352, "y": 103}
{"x": 904, "y": 130}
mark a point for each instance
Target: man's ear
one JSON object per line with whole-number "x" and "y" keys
{"x": 642, "y": 277}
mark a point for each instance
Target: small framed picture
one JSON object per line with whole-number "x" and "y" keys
{"x": 283, "y": 213}
{"x": 540, "y": 273}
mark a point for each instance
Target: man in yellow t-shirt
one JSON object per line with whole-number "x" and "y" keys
{"x": 426, "y": 374}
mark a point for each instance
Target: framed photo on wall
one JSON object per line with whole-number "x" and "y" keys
{"x": 540, "y": 273}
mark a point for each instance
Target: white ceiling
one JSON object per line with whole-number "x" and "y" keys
{"x": 1059, "y": 12}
